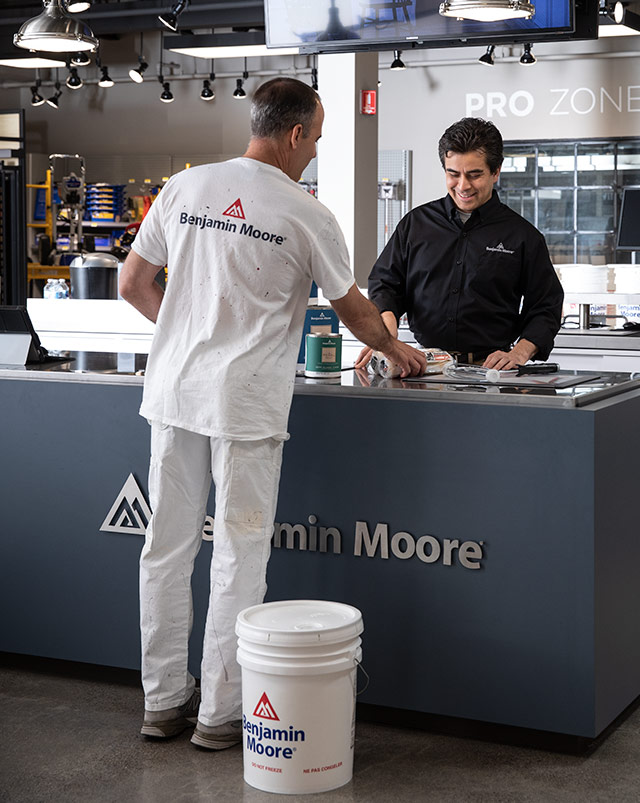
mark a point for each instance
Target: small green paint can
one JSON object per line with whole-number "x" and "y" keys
{"x": 324, "y": 355}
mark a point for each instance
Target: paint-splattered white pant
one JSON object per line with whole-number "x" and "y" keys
{"x": 246, "y": 475}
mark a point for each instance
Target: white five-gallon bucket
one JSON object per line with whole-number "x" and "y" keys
{"x": 299, "y": 661}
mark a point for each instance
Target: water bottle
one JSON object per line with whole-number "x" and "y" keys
{"x": 64, "y": 289}
{"x": 50, "y": 288}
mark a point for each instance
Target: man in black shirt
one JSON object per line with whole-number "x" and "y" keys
{"x": 473, "y": 276}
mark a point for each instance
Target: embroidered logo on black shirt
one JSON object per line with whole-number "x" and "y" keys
{"x": 500, "y": 249}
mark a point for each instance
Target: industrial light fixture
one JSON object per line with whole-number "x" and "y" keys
{"x": 54, "y": 31}
{"x": 137, "y": 74}
{"x": 615, "y": 20}
{"x": 167, "y": 95}
{"x": 487, "y": 10}
{"x": 236, "y": 44}
{"x": 527, "y": 58}
{"x": 238, "y": 92}
{"x": 36, "y": 97}
{"x": 73, "y": 79}
{"x": 105, "y": 79}
{"x": 208, "y": 93}
{"x": 77, "y": 6}
{"x": 487, "y": 57}
{"x": 397, "y": 63}
{"x": 53, "y": 100}
{"x": 80, "y": 59}
{"x": 170, "y": 19}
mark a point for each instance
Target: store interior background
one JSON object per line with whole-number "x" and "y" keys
{"x": 576, "y": 92}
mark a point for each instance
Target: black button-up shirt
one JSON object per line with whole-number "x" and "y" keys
{"x": 474, "y": 287}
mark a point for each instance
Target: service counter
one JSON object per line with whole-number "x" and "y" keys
{"x": 487, "y": 533}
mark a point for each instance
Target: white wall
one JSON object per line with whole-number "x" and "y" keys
{"x": 553, "y": 99}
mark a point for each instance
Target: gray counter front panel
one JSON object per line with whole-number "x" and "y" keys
{"x": 542, "y": 634}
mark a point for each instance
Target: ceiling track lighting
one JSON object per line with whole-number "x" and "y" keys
{"x": 239, "y": 92}
{"x": 208, "y": 93}
{"x": 54, "y": 31}
{"x": 166, "y": 95}
{"x": 487, "y": 10}
{"x": 137, "y": 74}
{"x": 53, "y": 100}
{"x": 170, "y": 19}
{"x": 80, "y": 59}
{"x": 105, "y": 79}
{"x": 487, "y": 57}
{"x": 397, "y": 63}
{"x": 77, "y": 6}
{"x": 73, "y": 79}
{"x": 617, "y": 20}
{"x": 527, "y": 58}
{"x": 36, "y": 97}
{"x": 614, "y": 11}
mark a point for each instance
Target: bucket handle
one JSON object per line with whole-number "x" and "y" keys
{"x": 364, "y": 672}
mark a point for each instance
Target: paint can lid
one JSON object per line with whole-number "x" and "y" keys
{"x": 300, "y": 622}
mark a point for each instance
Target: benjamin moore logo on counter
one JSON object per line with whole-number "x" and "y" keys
{"x": 130, "y": 514}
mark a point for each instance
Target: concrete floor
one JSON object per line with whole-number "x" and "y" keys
{"x": 70, "y": 733}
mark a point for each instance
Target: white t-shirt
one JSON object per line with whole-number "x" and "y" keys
{"x": 242, "y": 243}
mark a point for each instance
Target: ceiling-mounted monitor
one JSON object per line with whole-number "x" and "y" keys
{"x": 325, "y": 26}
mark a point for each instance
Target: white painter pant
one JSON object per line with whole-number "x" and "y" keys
{"x": 246, "y": 475}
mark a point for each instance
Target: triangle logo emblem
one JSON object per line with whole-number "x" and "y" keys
{"x": 264, "y": 709}
{"x": 130, "y": 514}
{"x": 235, "y": 210}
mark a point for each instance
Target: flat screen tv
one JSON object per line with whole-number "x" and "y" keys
{"x": 324, "y": 26}
{"x": 629, "y": 223}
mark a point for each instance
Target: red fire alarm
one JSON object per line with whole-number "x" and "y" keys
{"x": 368, "y": 101}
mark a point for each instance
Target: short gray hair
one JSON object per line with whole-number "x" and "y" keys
{"x": 279, "y": 105}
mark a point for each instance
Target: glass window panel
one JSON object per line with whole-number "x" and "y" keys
{"x": 521, "y": 201}
{"x": 595, "y": 248}
{"x": 560, "y": 248}
{"x": 628, "y": 163}
{"x": 596, "y": 164}
{"x": 518, "y": 167}
{"x": 556, "y": 163}
{"x": 555, "y": 210}
{"x": 596, "y": 210}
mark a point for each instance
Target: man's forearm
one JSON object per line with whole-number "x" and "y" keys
{"x": 139, "y": 287}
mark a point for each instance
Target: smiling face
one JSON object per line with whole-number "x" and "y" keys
{"x": 469, "y": 181}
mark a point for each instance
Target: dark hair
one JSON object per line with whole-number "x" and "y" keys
{"x": 279, "y": 105}
{"x": 473, "y": 134}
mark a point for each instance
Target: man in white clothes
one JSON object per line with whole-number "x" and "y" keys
{"x": 242, "y": 243}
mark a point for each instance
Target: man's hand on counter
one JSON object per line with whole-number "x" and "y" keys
{"x": 523, "y": 351}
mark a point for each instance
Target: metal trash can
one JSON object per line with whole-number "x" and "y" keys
{"x": 94, "y": 276}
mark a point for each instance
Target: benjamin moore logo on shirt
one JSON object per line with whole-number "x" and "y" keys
{"x": 500, "y": 249}
{"x": 235, "y": 210}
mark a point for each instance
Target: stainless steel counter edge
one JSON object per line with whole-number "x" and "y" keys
{"x": 83, "y": 377}
{"x": 379, "y": 389}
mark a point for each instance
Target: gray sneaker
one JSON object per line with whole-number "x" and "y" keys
{"x": 219, "y": 737}
{"x": 172, "y": 721}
